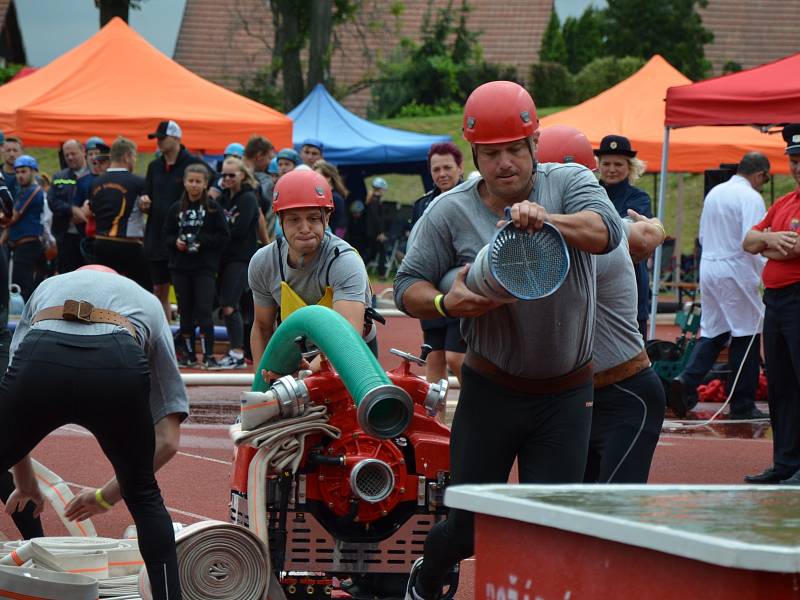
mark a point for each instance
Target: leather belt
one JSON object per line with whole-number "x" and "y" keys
{"x": 23, "y": 240}
{"x": 124, "y": 240}
{"x": 83, "y": 312}
{"x": 627, "y": 369}
{"x": 525, "y": 385}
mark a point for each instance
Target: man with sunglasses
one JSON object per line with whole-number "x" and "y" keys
{"x": 729, "y": 287}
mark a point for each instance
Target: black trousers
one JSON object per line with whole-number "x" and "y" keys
{"x": 102, "y": 383}
{"x": 493, "y": 426}
{"x": 70, "y": 257}
{"x": 231, "y": 284}
{"x": 28, "y": 525}
{"x": 29, "y": 267}
{"x": 626, "y": 423}
{"x": 195, "y": 291}
{"x": 704, "y": 355}
{"x": 782, "y": 354}
{"x": 126, "y": 258}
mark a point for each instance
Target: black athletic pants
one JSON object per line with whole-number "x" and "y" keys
{"x": 29, "y": 267}
{"x": 28, "y": 525}
{"x": 626, "y": 423}
{"x": 102, "y": 383}
{"x": 70, "y": 257}
{"x": 231, "y": 284}
{"x": 126, "y": 258}
{"x": 782, "y": 354}
{"x": 704, "y": 355}
{"x": 547, "y": 433}
{"x": 195, "y": 291}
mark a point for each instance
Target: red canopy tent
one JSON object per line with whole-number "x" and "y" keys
{"x": 764, "y": 95}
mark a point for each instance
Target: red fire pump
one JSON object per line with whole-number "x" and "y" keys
{"x": 358, "y": 507}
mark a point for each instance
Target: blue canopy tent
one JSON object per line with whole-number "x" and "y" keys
{"x": 358, "y": 147}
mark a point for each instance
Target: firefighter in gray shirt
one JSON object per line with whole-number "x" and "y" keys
{"x": 95, "y": 349}
{"x": 527, "y": 380}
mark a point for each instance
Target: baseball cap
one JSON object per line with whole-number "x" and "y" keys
{"x": 166, "y": 128}
{"x": 313, "y": 142}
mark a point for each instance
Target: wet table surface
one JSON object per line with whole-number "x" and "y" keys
{"x": 734, "y": 526}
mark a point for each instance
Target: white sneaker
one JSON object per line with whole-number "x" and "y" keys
{"x": 230, "y": 362}
{"x": 411, "y": 593}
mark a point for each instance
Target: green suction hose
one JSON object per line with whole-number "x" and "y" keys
{"x": 384, "y": 410}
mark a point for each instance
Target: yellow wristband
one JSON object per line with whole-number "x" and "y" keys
{"x": 437, "y": 302}
{"x": 98, "y": 495}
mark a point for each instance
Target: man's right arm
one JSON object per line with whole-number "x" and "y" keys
{"x": 776, "y": 245}
{"x": 263, "y": 327}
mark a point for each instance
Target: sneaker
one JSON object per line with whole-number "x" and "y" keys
{"x": 411, "y": 593}
{"x": 186, "y": 361}
{"x": 231, "y": 362}
{"x": 209, "y": 363}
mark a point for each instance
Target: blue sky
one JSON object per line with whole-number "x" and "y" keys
{"x": 52, "y": 27}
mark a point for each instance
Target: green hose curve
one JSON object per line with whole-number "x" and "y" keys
{"x": 384, "y": 410}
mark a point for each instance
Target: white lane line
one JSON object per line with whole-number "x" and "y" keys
{"x": 208, "y": 458}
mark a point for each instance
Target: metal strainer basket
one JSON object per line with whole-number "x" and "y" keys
{"x": 517, "y": 265}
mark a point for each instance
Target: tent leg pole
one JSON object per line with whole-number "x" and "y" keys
{"x": 662, "y": 200}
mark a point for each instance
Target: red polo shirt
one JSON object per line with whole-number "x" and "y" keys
{"x": 784, "y": 215}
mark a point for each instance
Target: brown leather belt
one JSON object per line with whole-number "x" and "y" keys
{"x": 83, "y": 312}
{"x": 23, "y": 240}
{"x": 524, "y": 385}
{"x": 124, "y": 240}
{"x": 627, "y": 369}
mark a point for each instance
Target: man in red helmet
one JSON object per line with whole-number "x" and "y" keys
{"x": 309, "y": 265}
{"x": 94, "y": 348}
{"x": 526, "y": 391}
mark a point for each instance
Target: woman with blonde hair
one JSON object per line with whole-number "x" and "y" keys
{"x": 338, "y": 221}
{"x": 239, "y": 203}
{"x": 618, "y": 169}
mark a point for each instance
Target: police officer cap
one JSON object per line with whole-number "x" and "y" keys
{"x": 615, "y": 144}
{"x": 791, "y": 133}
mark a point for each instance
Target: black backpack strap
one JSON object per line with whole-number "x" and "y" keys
{"x": 280, "y": 259}
{"x": 336, "y": 254}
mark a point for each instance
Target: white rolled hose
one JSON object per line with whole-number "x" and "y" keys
{"x": 39, "y": 584}
{"x": 218, "y": 561}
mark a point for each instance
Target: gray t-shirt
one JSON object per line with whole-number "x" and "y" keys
{"x": 540, "y": 338}
{"x": 346, "y": 274}
{"x": 124, "y": 296}
{"x": 617, "y": 338}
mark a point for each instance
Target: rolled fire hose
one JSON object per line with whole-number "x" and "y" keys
{"x": 517, "y": 265}
{"x": 58, "y": 494}
{"x": 218, "y": 561}
{"x": 384, "y": 410}
{"x": 25, "y": 583}
{"x": 100, "y": 558}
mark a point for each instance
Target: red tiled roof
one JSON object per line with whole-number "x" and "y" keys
{"x": 214, "y": 42}
{"x": 751, "y": 32}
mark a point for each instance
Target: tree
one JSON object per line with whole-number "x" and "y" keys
{"x": 436, "y": 74}
{"x": 116, "y": 8}
{"x": 672, "y": 28}
{"x": 296, "y": 25}
{"x": 583, "y": 38}
{"x": 553, "y": 48}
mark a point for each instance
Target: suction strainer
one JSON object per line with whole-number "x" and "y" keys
{"x": 518, "y": 265}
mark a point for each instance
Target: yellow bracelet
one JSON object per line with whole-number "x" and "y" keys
{"x": 661, "y": 227}
{"x": 437, "y": 302}
{"x": 98, "y": 495}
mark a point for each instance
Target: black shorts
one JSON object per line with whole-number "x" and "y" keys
{"x": 159, "y": 271}
{"x": 447, "y": 337}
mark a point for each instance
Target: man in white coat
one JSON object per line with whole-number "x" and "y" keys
{"x": 729, "y": 289}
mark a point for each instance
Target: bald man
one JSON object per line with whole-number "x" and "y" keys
{"x": 64, "y": 201}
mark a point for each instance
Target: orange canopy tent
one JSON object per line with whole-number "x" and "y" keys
{"x": 116, "y": 83}
{"x": 635, "y": 108}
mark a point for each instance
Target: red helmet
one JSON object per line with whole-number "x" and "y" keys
{"x": 564, "y": 144}
{"x": 95, "y": 267}
{"x": 499, "y": 111}
{"x": 302, "y": 189}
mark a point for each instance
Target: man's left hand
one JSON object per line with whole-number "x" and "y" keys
{"x": 21, "y": 496}
{"x": 83, "y": 506}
